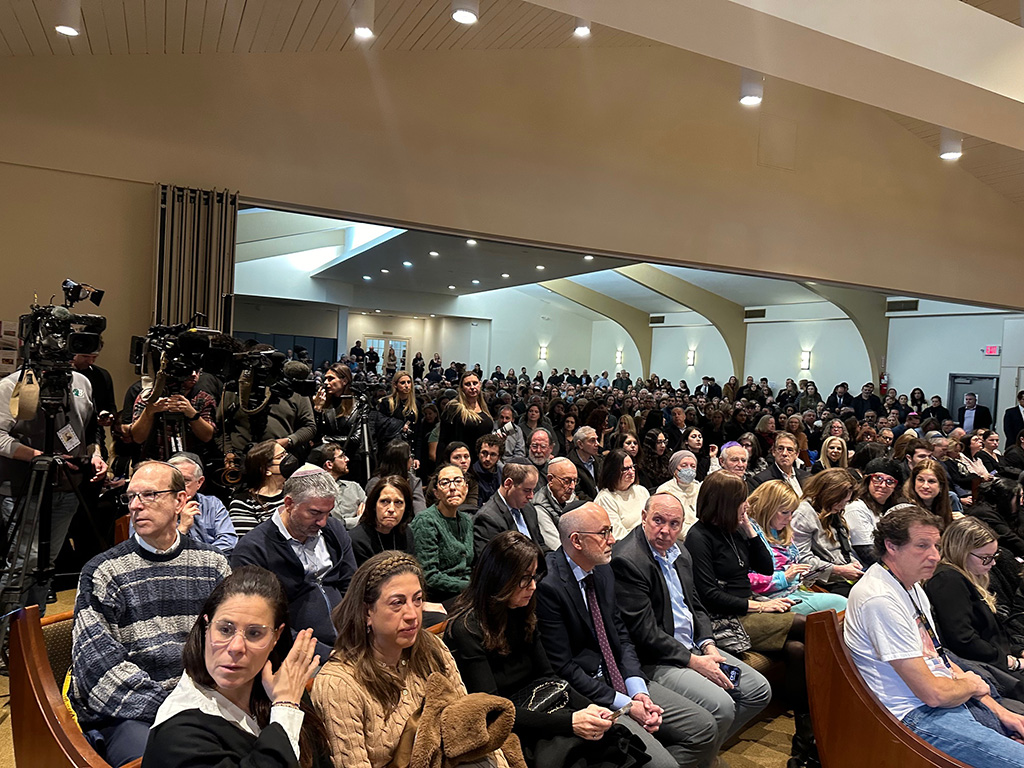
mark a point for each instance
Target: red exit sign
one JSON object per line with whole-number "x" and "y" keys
{"x": 992, "y": 351}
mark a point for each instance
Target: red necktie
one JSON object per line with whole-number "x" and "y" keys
{"x": 602, "y": 636}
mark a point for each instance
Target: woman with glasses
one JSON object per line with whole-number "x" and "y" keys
{"x": 875, "y": 495}
{"x": 493, "y": 636}
{"x": 240, "y": 699}
{"x": 821, "y": 534}
{"x": 372, "y": 690}
{"x": 263, "y": 486}
{"x": 653, "y": 465}
{"x": 443, "y": 536}
{"x": 725, "y": 548}
{"x": 965, "y": 608}
{"x": 621, "y": 496}
{"x": 755, "y": 459}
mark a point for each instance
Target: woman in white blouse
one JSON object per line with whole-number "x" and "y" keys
{"x": 621, "y": 496}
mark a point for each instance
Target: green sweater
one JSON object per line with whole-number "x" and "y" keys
{"x": 444, "y": 547}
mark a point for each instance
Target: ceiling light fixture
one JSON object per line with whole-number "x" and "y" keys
{"x": 505, "y": 275}
{"x": 588, "y": 258}
{"x": 362, "y": 313}
{"x": 377, "y": 311}
{"x": 434, "y": 253}
{"x": 69, "y": 17}
{"x": 540, "y": 267}
{"x": 367, "y": 277}
{"x": 951, "y": 144}
{"x": 751, "y": 88}
{"x": 406, "y": 263}
{"x": 451, "y": 287}
{"x": 466, "y": 11}
{"x": 385, "y": 272}
{"x": 471, "y": 242}
{"x": 476, "y": 282}
{"x": 433, "y": 315}
{"x": 362, "y": 18}
{"x": 582, "y": 28}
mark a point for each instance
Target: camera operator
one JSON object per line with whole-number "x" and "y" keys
{"x": 22, "y": 440}
{"x": 287, "y": 416}
{"x": 161, "y": 437}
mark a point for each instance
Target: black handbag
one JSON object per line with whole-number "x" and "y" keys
{"x": 547, "y": 695}
{"x": 730, "y": 635}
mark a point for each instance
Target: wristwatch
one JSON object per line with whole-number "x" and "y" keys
{"x": 195, "y": 417}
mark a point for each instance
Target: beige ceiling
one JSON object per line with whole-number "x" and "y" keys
{"x": 285, "y": 26}
{"x": 130, "y": 27}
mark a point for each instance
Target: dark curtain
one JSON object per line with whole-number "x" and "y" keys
{"x": 195, "y": 252}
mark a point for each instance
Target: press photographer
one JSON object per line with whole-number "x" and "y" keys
{"x": 48, "y": 445}
{"x": 269, "y": 399}
{"x": 171, "y": 414}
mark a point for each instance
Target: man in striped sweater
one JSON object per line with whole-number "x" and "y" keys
{"x": 136, "y": 604}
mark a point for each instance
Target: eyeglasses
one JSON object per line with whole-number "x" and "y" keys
{"x": 256, "y": 636}
{"x": 885, "y": 480}
{"x": 604, "y": 533}
{"x": 986, "y": 559}
{"x": 784, "y": 449}
{"x": 627, "y": 470}
{"x": 449, "y": 481}
{"x": 526, "y": 580}
{"x": 661, "y": 441}
{"x": 568, "y": 482}
{"x": 148, "y": 497}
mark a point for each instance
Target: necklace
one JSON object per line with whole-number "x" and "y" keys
{"x": 381, "y": 541}
{"x": 732, "y": 545}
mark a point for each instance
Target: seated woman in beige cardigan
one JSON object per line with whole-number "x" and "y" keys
{"x": 372, "y": 690}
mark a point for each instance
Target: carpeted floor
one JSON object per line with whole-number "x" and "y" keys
{"x": 765, "y": 744}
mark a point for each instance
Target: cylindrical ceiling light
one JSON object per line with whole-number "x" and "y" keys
{"x": 69, "y": 17}
{"x": 950, "y": 144}
{"x": 582, "y": 28}
{"x": 751, "y": 88}
{"x": 466, "y": 11}
{"x": 362, "y": 18}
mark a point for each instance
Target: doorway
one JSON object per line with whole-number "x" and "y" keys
{"x": 984, "y": 386}
{"x": 384, "y": 343}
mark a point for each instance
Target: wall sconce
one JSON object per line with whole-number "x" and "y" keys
{"x": 805, "y": 361}
{"x": 543, "y": 354}
{"x": 618, "y": 357}
{"x": 691, "y": 358}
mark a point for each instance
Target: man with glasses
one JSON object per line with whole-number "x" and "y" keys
{"x": 135, "y": 606}
{"x": 541, "y": 447}
{"x": 587, "y": 643}
{"x": 670, "y": 628}
{"x": 552, "y": 498}
{"x": 783, "y": 468}
{"x": 308, "y": 549}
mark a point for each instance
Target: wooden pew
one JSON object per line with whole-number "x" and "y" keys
{"x": 45, "y": 734}
{"x": 851, "y": 727}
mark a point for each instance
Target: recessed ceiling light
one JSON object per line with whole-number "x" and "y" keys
{"x": 406, "y": 263}
{"x": 433, "y": 315}
{"x": 385, "y": 272}
{"x": 363, "y": 313}
{"x": 367, "y": 277}
{"x": 69, "y": 17}
{"x": 434, "y": 253}
{"x": 582, "y": 28}
{"x": 466, "y": 11}
{"x": 476, "y": 282}
{"x": 451, "y": 287}
{"x": 540, "y": 267}
{"x": 415, "y": 317}
{"x": 504, "y": 274}
{"x": 377, "y": 311}
{"x": 471, "y": 242}
{"x": 588, "y": 258}
{"x": 363, "y": 33}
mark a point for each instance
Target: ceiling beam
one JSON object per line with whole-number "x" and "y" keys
{"x": 942, "y": 61}
{"x": 726, "y": 316}
{"x": 867, "y": 311}
{"x": 636, "y": 323}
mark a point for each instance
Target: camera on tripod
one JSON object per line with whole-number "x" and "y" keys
{"x": 51, "y": 336}
{"x": 262, "y": 375}
{"x": 168, "y": 355}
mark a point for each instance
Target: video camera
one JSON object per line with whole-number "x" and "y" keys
{"x": 263, "y": 374}
{"x": 51, "y": 336}
{"x": 168, "y": 355}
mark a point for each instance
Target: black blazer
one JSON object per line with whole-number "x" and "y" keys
{"x": 966, "y": 625}
{"x": 494, "y": 517}
{"x": 646, "y": 605}
{"x": 1013, "y": 423}
{"x": 586, "y": 486}
{"x": 567, "y": 631}
{"x": 982, "y": 417}
{"x": 774, "y": 473}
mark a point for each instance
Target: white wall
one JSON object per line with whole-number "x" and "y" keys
{"x": 670, "y": 345}
{"x": 265, "y": 315}
{"x": 837, "y": 352}
{"x": 923, "y": 351}
{"x": 609, "y": 337}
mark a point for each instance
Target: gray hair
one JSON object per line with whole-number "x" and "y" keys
{"x": 302, "y": 487}
{"x": 734, "y": 446}
{"x": 183, "y": 458}
{"x": 582, "y": 434}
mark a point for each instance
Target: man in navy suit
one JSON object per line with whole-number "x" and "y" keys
{"x": 1013, "y": 422}
{"x": 511, "y": 508}
{"x": 588, "y": 645}
{"x": 669, "y": 626}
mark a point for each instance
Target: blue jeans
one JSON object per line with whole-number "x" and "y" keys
{"x": 955, "y": 731}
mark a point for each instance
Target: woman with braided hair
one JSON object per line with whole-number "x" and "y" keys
{"x": 376, "y": 679}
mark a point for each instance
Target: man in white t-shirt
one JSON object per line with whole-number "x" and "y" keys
{"x": 889, "y": 629}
